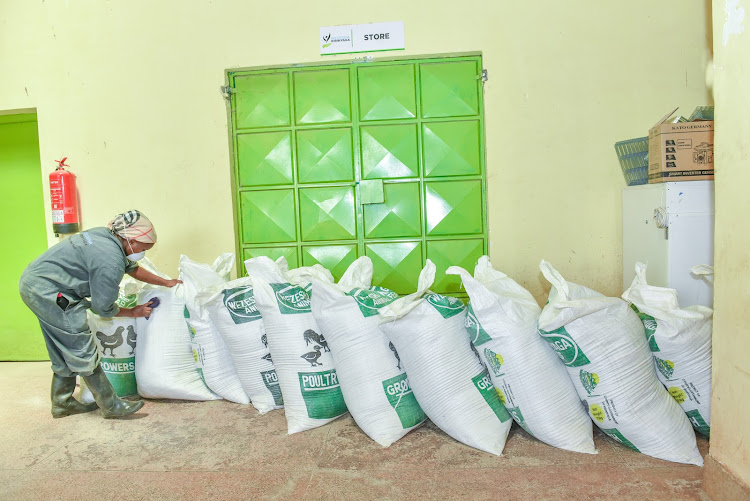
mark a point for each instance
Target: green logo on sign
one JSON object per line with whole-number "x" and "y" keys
{"x": 649, "y": 323}
{"x": 589, "y": 380}
{"x": 322, "y": 394}
{"x": 494, "y": 361}
{"x": 372, "y": 299}
{"x": 567, "y": 349}
{"x": 271, "y": 380}
{"x": 402, "y": 399}
{"x": 447, "y": 306}
{"x": 614, "y": 434}
{"x": 477, "y": 334}
{"x": 292, "y": 298}
{"x": 240, "y": 302}
{"x": 487, "y": 389}
{"x": 666, "y": 367}
{"x": 699, "y": 423}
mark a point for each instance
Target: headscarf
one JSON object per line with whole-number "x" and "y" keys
{"x": 133, "y": 225}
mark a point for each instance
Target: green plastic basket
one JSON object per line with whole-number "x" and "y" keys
{"x": 633, "y": 156}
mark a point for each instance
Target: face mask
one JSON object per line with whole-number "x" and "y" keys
{"x": 135, "y": 256}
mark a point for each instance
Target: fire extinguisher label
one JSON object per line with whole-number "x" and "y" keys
{"x": 58, "y": 216}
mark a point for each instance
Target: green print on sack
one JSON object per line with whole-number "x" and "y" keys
{"x": 477, "y": 334}
{"x": 649, "y": 323}
{"x": 589, "y": 380}
{"x": 322, "y": 394}
{"x": 402, "y": 400}
{"x": 447, "y": 306}
{"x": 698, "y": 422}
{"x": 484, "y": 385}
{"x": 565, "y": 347}
{"x": 240, "y": 303}
{"x": 515, "y": 412}
{"x": 121, "y": 375}
{"x": 614, "y": 434}
{"x": 666, "y": 367}
{"x": 127, "y": 301}
{"x": 292, "y": 299}
{"x": 372, "y": 299}
{"x": 271, "y": 380}
{"x": 494, "y": 361}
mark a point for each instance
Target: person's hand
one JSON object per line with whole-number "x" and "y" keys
{"x": 172, "y": 283}
{"x": 143, "y": 310}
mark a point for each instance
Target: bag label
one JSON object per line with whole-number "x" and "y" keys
{"x": 515, "y": 412}
{"x": 666, "y": 367}
{"x": 127, "y": 301}
{"x": 565, "y": 347}
{"x": 614, "y": 434}
{"x": 483, "y": 383}
{"x": 494, "y": 362}
{"x": 447, "y": 306}
{"x": 121, "y": 375}
{"x": 403, "y": 401}
{"x": 372, "y": 299}
{"x": 477, "y": 334}
{"x": 271, "y": 380}
{"x": 322, "y": 394}
{"x": 589, "y": 380}
{"x": 649, "y": 323}
{"x": 240, "y": 303}
{"x": 292, "y": 299}
{"x": 698, "y": 422}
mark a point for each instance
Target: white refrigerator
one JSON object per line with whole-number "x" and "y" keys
{"x": 670, "y": 227}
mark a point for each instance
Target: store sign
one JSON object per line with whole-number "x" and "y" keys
{"x": 374, "y": 37}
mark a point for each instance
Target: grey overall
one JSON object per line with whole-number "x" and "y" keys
{"x": 88, "y": 264}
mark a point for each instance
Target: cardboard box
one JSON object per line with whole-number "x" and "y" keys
{"x": 682, "y": 151}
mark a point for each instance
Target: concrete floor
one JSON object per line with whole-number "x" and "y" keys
{"x": 219, "y": 450}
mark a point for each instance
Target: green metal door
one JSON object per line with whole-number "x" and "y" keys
{"x": 384, "y": 159}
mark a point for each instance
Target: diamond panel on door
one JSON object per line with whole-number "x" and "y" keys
{"x": 450, "y": 89}
{"x": 327, "y": 213}
{"x": 387, "y": 92}
{"x": 321, "y": 96}
{"x": 399, "y": 216}
{"x": 265, "y": 158}
{"x": 336, "y": 258}
{"x": 268, "y": 216}
{"x": 454, "y": 208}
{"x": 397, "y": 265}
{"x": 289, "y": 253}
{"x": 262, "y": 100}
{"x": 389, "y": 151}
{"x": 325, "y": 155}
{"x": 451, "y": 149}
{"x": 446, "y": 253}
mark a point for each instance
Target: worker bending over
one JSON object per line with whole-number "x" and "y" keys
{"x": 56, "y": 286}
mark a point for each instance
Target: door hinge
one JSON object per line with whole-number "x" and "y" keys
{"x": 227, "y": 92}
{"x": 485, "y": 76}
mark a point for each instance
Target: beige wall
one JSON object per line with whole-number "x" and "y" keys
{"x": 730, "y": 412}
{"x": 130, "y": 92}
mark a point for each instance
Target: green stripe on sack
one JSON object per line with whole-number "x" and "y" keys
{"x": 121, "y": 375}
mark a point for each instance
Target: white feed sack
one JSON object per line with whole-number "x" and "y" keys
{"x": 531, "y": 380}
{"x": 116, "y": 340}
{"x": 447, "y": 376}
{"x": 236, "y": 318}
{"x": 300, "y": 353}
{"x": 603, "y": 344}
{"x": 374, "y": 384}
{"x": 164, "y": 363}
{"x": 680, "y": 341}
{"x": 211, "y": 356}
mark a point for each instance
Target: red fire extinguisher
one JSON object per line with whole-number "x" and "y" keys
{"x": 62, "y": 188}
